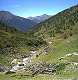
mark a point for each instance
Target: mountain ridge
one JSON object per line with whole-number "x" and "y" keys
{"x": 21, "y": 23}
{"x": 18, "y": 22}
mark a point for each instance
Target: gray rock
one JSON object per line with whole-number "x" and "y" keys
{"x": 3, "y": 68}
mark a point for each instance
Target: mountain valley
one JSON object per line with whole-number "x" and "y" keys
{"x": 48, "y": 51}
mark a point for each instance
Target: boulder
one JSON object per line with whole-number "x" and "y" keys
{"x": 14, "y": 61}
{"x": 3, "y": 68}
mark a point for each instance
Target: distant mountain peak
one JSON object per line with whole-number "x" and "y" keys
{"x": 40, "y": 18}
{"x": 45, "y": 15}
{"x": 5, "y": 13}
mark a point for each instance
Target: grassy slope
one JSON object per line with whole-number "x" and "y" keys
{"x": 60, "y": 49}
{"x": 62, "y": 30}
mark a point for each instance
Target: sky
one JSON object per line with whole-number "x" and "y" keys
{"x": 26, "y": 8}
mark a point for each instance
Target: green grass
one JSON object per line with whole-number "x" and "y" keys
{"x": 60, "y": 48}
{"x": 40, "y": 77}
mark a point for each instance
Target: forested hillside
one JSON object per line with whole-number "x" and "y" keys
{"x": 62, "y": 23}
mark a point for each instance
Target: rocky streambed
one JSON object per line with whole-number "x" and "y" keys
{"x": 26, "y": 67}
{"x": 37, "y": 68}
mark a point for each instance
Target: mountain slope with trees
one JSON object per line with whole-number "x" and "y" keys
{"x": 62, "y": 23}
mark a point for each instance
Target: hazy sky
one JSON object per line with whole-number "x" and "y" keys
{"x": 27, "y": 8}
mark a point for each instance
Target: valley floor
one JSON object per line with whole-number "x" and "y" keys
{"x": 38, "y": 77}
{"x": 62, "y": 51}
